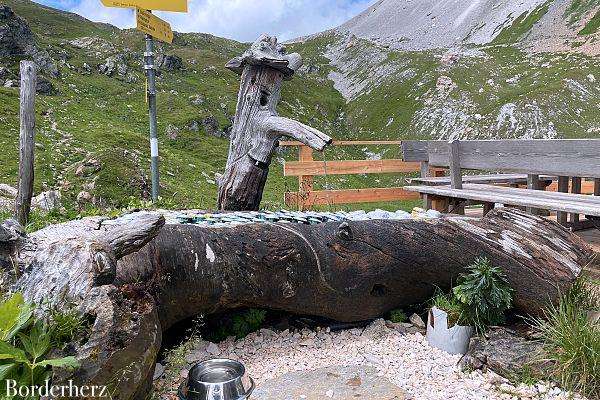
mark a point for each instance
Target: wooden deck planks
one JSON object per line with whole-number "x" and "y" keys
{"x": 571, "y": 203}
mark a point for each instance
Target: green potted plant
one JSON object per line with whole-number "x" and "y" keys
{"x": 480, "y": 299}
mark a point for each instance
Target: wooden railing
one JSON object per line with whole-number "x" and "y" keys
{"x": 306, "y": 168}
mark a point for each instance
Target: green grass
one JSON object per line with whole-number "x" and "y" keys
{"x": 522, "y": 25}
{"x": 572, "y": 342}
{"x": 105, "y": 118}
{"x": 592, "y": 26}
{"x": 579, "y": 8}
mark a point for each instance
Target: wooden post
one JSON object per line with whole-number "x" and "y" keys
{"x": 305, "y": 182}
{"x": 257, "y": 127}
{"x": 575, "y": 188}
{"x": 487, "y": 207}
{"x": 26, "y": 142}
{"x": 426, "y": 173}
{"x": 563, "y": 187}
{"x": 455, "y": 173}
{"x": 533, "y": 183}
{"x": 596, "y": 187}
{"x": 454, "y": 158}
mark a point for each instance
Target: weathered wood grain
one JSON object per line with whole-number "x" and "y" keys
{"x": 492, "y": 179}
{"x": 347, "y": 167}
{"x": 415, "y": 150}
{"x": 345, "y": 271}
{"x": 349, "y": 196}
{"x": 580, "y": 204}
{"x": 576, "y": 157}
{"x": 26, "y": 142}
{"x": 257, "y": 128}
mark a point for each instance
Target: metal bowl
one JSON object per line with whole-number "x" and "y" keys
{"x": 218, "y": 379}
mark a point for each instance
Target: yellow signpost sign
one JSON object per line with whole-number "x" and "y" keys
{"x": 161, "y": 5}
{"x": 154, "y": 26}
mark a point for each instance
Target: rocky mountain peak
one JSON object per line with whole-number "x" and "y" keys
{"x": 433, "y": 24}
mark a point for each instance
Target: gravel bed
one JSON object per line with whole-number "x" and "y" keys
{"x": 404, "y": 358}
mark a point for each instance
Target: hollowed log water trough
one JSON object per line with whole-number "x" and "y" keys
{"x": 136, "y": 276}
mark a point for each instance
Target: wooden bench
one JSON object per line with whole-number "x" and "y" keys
{"x": 416, "y": 151}
{"x": 567, "y": 159}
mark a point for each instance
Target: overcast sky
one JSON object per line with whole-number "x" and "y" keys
{"x": 242, "y": 20}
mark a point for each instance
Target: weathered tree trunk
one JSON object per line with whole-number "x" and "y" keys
{"x": 26, "y": 142}
{"x": 257, "y": 128}
{"x": 346, "y": 271}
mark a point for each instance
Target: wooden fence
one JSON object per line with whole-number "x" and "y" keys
{"x": 306, "y": 168}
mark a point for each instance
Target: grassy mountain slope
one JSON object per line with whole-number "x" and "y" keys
{"x": 104, "y": 118}
{"x": 92, "y": 134}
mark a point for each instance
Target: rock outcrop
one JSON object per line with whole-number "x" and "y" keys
{"x": 506, "y": 353}
{"x": 171, "y": 63}
{"x": 114, "y": 64}
{"x": 17, "y": 39}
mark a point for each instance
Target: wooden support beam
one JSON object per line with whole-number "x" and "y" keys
{"x": 426, "y": 173}
{"x": 533, "y": 183}
{"x": 596, "y": 187}
{"x": 575, "y": 188}
{"x": 487, "y": 207}
{"x": 348, "y": 167}
{"x": 457, "y": 206}
{"x": 369, "y": 195}
{"x": 26, "y": 142}
{"x": 441, "y": 204}
{"x": 563, "y": 187}
{"x": 305, "y": 183}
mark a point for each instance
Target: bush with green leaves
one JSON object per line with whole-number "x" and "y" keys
{"x": 480, "y": 298}
{"x": 25, "y": 343}
{"x": 572, "y": 339}
{"x": 484, "y": 294}
{"x": 239, "y": 323}
{"x": 398, "y": 316}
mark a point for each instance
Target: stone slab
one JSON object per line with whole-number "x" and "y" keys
{"x": 335, "y": 383}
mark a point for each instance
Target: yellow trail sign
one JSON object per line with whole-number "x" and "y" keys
{"x": 154, "y": 26}
{"x": 162, "y": 5}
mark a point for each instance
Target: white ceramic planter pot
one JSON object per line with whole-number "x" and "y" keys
{"x": 454, "y": 340}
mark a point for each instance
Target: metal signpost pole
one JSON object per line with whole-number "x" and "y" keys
{"x": 151, "y": 75}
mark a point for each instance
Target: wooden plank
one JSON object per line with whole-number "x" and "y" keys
{"x": 487, "y": 207}
{"x": 587, "y": 187}
{"x": 414, "y": 150}
{"x": 574, "y": 157}
{"x": 576, "y": 189}
{"x": 288, "y": 143}
{"x": 507, "y": 179}
{"x": 26, "y": 142}
{"x": 582, "y": 198}
{"x": 348, "y": 167}
{"x": 368, "y": 195}
{"x": 425, "y": 173}
{"x": 517, "y": 197}
{"x": 533, "y": 183}
{"x": 305, "y": 183}
{"x": 596, "y": 187}
{"x": 455, "y": 171}
{"x": 562, "y": 187}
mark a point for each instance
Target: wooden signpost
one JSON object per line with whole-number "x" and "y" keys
{"x": 153, "y": 27}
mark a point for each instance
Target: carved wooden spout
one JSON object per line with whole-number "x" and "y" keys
{"x": 257, "y": 127}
